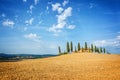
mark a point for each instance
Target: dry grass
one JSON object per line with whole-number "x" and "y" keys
{"x": 78, "y": 66}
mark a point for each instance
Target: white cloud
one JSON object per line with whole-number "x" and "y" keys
{"x": 62, "y": 16}
{"x": 55, "y": 6}
{"x": 31, "y": 8}
{"x": 65, "y": 2}
{"x": 33, "y": 37}
{"x": 60, "y": 10}
{"x": 29, "y": 22}
{"x": 24, "y": 0}
{"x": 65, "y": 14}
{"x": 8, "y": 23}
{"x": 36, "y": 2}
{"x": 57, "y": 28}
{"x": 118, "y": 37}
{"x": 61, "y": 20}
{"x": 71, "y": 27}
{"x": 109, "y": 42}
{"x": 100, "y": 43}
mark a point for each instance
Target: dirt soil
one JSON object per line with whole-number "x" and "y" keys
{"x": 76, "y": 66}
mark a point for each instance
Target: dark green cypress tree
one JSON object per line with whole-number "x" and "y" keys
{"x": 71, "y": 46}
{"x": 101, "y": 50}
{"x": 104, "y": 50}
{"x": 85, "y": 45}
{"x": 59, "y": 49}
{"x": 95, "y": 49}
{"x": 98, "y": 50}
{"x": 92, "y": 48}
{"x": 78, "y": 46}
{"x": 68, "y": 47}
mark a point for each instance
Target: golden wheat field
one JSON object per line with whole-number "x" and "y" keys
{"x": 76, "y": 66}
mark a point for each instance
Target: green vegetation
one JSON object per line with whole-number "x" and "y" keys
{"x": 104, "y": 50}
{"x": 100, "y": 50}
{"x": 68, "y": 47}
{"x": 95, "y": 49}
{"x": 92, "y": 48}
{"x": 59, "y": 49}
{"x": 85, "y": 45}
{"x": 79, "y": 48}
{"x": 71, "y": 46}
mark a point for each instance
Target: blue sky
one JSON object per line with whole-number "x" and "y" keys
{"x": 40, "y": 26}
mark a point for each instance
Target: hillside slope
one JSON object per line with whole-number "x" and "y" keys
{"x": 76, "y": 66}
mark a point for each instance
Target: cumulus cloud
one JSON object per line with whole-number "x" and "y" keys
{"x": 60, "y": 9}
{"x": 101, "y": 43}
{"x": 29, "y": 22}
{"x": 57, "y": 28}
{"x": 109, "y": 42}
{"x": 55, "y": 6}
{"x": 33, "y": 37}
{"x": 64, "y": 15}
{"x": 36, "y": 2}
{"x": 8, "y": 23}
{"x": 118, "y": 37}
{"x": 65, "y": 2}
{"x": 61, "y": 20}
{"x": 31, "y": 8}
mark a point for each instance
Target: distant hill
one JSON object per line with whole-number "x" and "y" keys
{"x": 6, "y": 57}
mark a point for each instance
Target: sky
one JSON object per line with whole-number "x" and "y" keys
{"x": 40, "y": 26}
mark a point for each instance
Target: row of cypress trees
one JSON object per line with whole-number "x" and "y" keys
{"x": 92, "y": 48}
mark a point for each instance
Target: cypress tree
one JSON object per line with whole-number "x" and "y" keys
{"x": 104, "y": 50}
{"x": 85, "y": 45}
{"x": 59, "y": 49}
{"x": 95, "y": 49}
{"x": 98, "y": 50}
{"x": 101, "y": 50}
{"x": 71, "y": 46}
{"x": 78, "y": 46}
{"x": 92, "y": 48}
{"x": 67, "y": 47}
